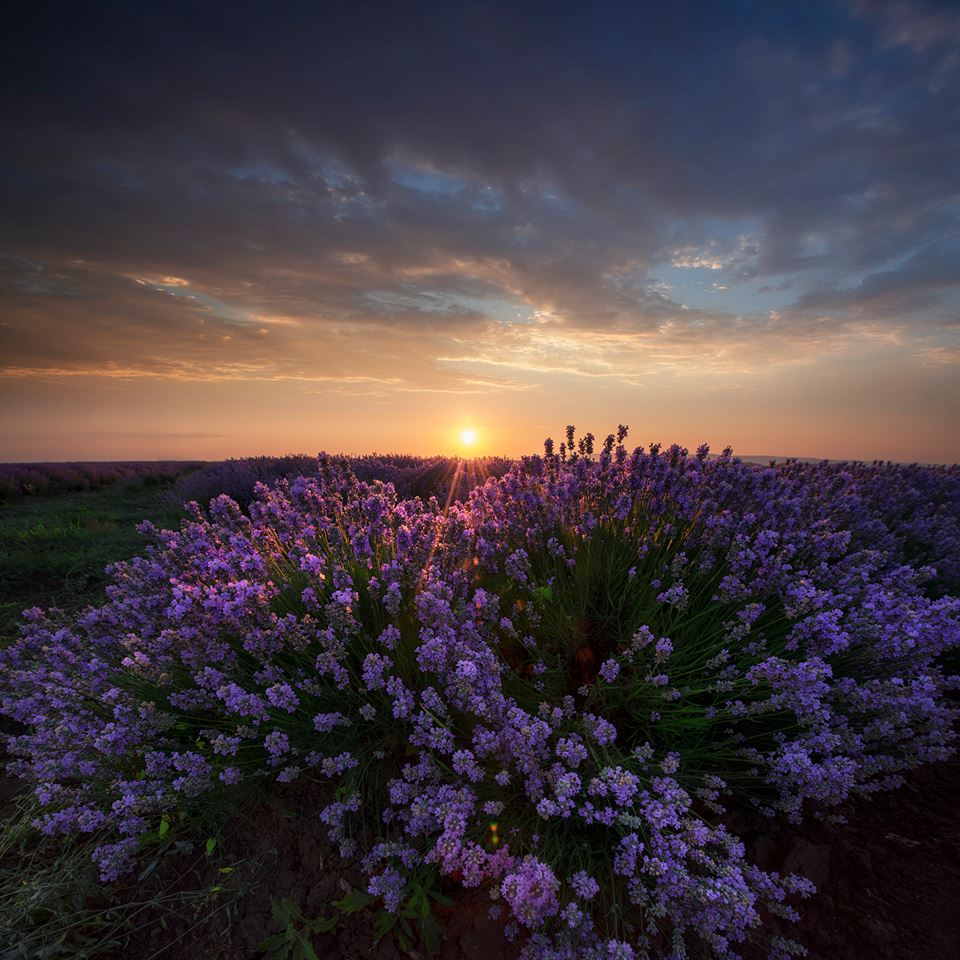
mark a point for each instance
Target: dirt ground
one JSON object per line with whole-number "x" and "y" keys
{"x": 889, "y": 881}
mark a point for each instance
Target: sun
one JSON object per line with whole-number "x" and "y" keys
{"x": 468, "y": 437}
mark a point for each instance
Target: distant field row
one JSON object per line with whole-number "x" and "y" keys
{"x": 201, "y": 481}
{"x": 19, "y": 480}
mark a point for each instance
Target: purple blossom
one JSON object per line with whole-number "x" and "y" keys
{"x": 584, "y": 886}
{"x": 464, "y": 763}
{"x": 374, "y": 667}
{"x": 390, "y": 884}
{"x": 609, "y": 670}
{"x": 808, "y": 615}
{"x": 531, "y": 891}
{"x": 281, "y": 695}
{"x": 600, "y": 729}
{"x": 663, "y": 649}
{"x": 325, "y": 722}
{"x": 277, "y": 745}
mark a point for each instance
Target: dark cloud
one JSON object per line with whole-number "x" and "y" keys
{"x": 241, "y": 190}
{"x": 911, "y": 289}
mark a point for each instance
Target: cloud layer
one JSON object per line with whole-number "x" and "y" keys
{"x": 481, "y": 201}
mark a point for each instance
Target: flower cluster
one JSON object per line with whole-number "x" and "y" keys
{"x": 552, "y": 689}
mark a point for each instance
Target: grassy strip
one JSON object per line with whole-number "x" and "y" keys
{"x": 53, "y": 550}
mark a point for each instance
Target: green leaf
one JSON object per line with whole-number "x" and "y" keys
{"x": 163, "y": 828}
{"x": 275, "y": 942}
{"x": 440, "y": 898}
{"x": 224, "y": 869}
{"x": 323, "y": 924}
{"x": 211, "y": 843}
{"x": 383, "y": 923}
{"x": 354, "y": 901}
{"x": 293, "y": 911}
{"x": 304, "y": 950}
{"x": 430, "y": 932}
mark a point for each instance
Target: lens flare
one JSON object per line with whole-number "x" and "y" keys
{"x": 468, "y": 437}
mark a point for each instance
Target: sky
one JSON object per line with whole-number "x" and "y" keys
{"x": 247, "y": 228}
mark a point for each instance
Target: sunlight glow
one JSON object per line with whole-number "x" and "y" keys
{"x": 468, "y": 437}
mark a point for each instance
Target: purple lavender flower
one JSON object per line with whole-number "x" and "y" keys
{"x": 801, "y": 630}
{"x": 325, "y": 722}
{"x": 531, "y": 891}
{"x": 584, "y": 886}
{"x": 281, "y": 695}
{"x": 277, "y": 745}
{"x": 609, "y": 670}
{"x": 390, "y": 884}
{"x": 374, "y": 667}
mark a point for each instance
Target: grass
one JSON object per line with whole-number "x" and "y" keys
{"x": 53, "y": 550}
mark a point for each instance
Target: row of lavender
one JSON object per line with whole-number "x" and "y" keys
{"x": 46, "y": 479}
{"x": 556, "y": 690}
{"x": 410, "y": 476}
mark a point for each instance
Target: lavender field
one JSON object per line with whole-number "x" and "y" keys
{"x": 18, "y": 480}
{"x": 322, "y": 636}
{"x": 568, "y": 707}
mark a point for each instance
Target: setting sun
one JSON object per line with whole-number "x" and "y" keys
{"x": 468, "y": 437}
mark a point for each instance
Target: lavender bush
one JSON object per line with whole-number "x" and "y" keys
{"x": 556, "y": 690}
